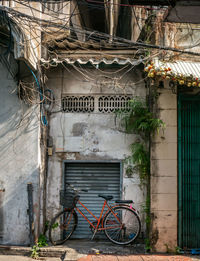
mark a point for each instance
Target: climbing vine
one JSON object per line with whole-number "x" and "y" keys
{"x": 138, "y": 119}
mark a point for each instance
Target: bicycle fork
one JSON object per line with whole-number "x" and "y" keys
{"x": 95, "y": 231}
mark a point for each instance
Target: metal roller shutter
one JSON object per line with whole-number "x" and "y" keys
{"x": 98, "y": 178}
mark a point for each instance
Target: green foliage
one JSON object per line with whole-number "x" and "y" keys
{"x": 139, "y": 120}
{"x": 42, "y": 241}
{"x": 35, "y": 251}
{"x": 147, "y": 244}
{"x": 140, "y": 159}
{"x": 178, "y": 250}
{"x": 146, "y": 210}
{"x": 55, "y": 225}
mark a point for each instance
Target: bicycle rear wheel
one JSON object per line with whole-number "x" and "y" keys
{"x": 122, "y": 226}
{"x": 62, "y": 226}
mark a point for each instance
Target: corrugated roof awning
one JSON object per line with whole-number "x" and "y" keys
{"x": 182, "y": 72}
{"x": 180, "y": 67}
{"x": 93, "y": 61}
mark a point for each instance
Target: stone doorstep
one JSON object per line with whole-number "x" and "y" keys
{"x": 26, "y": 251}
{"x": 72, "y": 250}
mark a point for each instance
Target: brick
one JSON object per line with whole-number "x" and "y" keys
{"x": 167, "y": 135}
{"x": 164, "y": 219}
{"x": 164, "y": 151}
{"x": 164, "y": 202}
{"x": 163, "y": 184}
{"x": 165, "y": 168}
{"x": 167, "y": 240}
{"x": 167, "y": 101}
{"x": 169, "y": 116}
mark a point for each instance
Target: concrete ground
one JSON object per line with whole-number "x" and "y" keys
{"x": 24, "y": 258}
{"x": 82, "y": 250}
{"x": 106, "y": 258}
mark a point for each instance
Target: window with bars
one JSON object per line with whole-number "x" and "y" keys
{"x": 97, "y": 103}
{"x": 78, "y": 103}
{"x": 112, "y": 103}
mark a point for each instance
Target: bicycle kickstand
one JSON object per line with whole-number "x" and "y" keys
{"x": 94, "y": 234}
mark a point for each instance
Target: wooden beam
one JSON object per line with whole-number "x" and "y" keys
{"x": 76, "y": 19}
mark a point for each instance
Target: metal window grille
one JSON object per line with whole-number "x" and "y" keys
{"x": 97, "y": 103}
{"x": 112, "y": 103}
{"x": 78, "y": 103}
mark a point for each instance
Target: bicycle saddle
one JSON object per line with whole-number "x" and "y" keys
{"x": 106, "y": 197}
{"x": 124, "y": 201}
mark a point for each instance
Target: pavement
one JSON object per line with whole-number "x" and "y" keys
{"x": 24, "y": 258}
{"x": 106, "y": 258}
{"x": 138, "y": 258}
{"x": 82, "y": 250}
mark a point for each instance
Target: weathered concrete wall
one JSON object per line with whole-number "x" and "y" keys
{"x": 164, "y": 175}
{"x": 19, "y": 161}
{"x": 90, "y": 136}
{"x": 178, "y": 35}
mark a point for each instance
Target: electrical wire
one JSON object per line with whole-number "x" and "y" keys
{"x": 43, "y": 117}
{"x": 117, "y": 40}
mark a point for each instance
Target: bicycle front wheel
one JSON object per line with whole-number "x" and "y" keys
{"x": 62, "y": 226}
{"x": 122, "y": 226}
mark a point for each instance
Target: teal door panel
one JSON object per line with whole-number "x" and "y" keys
{"x": 189, "y": 171}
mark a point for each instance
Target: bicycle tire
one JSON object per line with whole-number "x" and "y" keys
{"x": 122, "y": 233}
{"x": 60, "y": 232}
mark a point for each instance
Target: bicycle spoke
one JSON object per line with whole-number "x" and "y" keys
{"x": 129, "y": 225}
{"x": 62, "y": 227}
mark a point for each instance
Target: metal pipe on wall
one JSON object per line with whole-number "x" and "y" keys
{"x": 30, "y": 213}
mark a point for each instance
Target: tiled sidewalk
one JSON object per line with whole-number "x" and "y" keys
{"x": 137, "y": 258}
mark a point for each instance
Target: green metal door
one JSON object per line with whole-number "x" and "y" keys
{"x": 189, "y": 171}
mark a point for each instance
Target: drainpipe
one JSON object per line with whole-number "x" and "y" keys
{"x": 30, "y": 213}
{"x": 46, "y": 144}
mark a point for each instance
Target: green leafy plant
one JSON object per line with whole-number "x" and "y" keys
{"x": 42, "y": 241}
{"x": 140, "y": 159}
{"x": 146, "y": 210}
{"x": 147, "y": 244}
{"x": 178, "y": 250}
{"x": 138, "y": 119}
{"x": 35, "y": 251}
{"x": 55, "y": 225}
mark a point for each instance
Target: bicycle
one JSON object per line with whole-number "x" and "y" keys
{"x": 120, "y": 223}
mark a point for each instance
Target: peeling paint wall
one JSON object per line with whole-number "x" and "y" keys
{"x": 183, "y": 36}
{"x": 19, "y": 163}
{"x": 90, "y": 136}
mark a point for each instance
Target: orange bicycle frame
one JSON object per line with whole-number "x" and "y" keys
{"x": 100, "y": 217}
